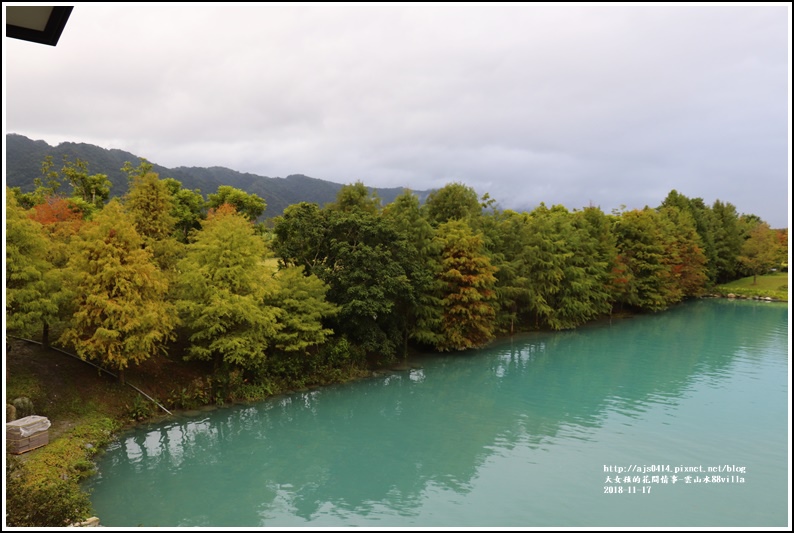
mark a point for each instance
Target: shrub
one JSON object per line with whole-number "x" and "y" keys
{"x": 37, "y": 502}
{"x": 23, "y": 406}
{"x": 140, "y": 410}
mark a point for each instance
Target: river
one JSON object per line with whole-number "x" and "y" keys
{"x": 675, "y": 419}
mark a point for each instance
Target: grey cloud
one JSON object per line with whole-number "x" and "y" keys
{"x": 575, "y": 105}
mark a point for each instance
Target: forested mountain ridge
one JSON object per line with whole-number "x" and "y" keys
{"x": 24, "y": 157}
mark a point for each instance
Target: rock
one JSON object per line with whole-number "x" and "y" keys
{"x": 731, "y": 295}
{"x": 91, "y": 522}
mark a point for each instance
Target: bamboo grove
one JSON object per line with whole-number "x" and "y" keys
{"x": 320, "y": 289}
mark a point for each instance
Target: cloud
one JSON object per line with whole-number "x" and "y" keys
{"x": 589, "y": 104}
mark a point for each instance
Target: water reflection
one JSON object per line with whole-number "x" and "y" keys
{"x": 380, "y": 447}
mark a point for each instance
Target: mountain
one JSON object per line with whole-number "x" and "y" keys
{"x": 24, "y": 157}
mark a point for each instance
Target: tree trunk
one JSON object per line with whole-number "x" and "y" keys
{"x": 45, "y": 334}
{"x": 121, "y": 376}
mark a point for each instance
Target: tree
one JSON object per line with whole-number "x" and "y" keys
{"x": 364, "y": 268}
{"x": 420, "y": 309}
{"x": 362, "y": 259}
{"x": 302, "y": 309}
{"x": 583, "y": 293}
{"x": 248, "y": 205}
{"x": 543, "y": 259}
{"x": 782, "y": 239}
{"x": 454, "y": 201}
{"x": 599, "y": 226}
{"x": 56, "y": 210}
{"x": 223, "y": 286}
{"x": 92, "y": 190}
{"x": 300, "y": 236}
{"x": 468, "y": 288}
{"x": 505, "y": 237}
{"x": 705, "y": 224}
{"x": 727, "y": 241}
{"x": 356, "y": 197}
{"x": 143, "y": 168}
{"x": 642, "y": 246}
{"x": 761, "y": 251}
{"x": 188, "y": 209}
{"x": 149, "y": 203}
{"x": 684, "y": 252}
{"x": 122, "y": 317}
{"x": 61, "y": 221}
{"x": 27, "y": 302}
{"x": 46, "y": 186}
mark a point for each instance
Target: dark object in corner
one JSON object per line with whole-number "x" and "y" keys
{"x": 18, "y": 25}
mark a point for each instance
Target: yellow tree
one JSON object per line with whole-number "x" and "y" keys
{"x": 223, "y": 285}
{"x": 468, "y": 281}
{"x": 761, "y": 251}
{"x": 27, "y": 303}
{"x": 121, "y": 316}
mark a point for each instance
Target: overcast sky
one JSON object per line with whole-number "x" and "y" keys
{"x": 573, "y": 105}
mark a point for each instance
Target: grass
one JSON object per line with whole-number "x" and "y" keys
{"x": 773, "y": 285}
{"x": 25, "y": 384}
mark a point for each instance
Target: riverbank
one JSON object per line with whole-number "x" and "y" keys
{"x": 769, "y": 287}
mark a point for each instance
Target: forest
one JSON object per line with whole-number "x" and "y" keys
{"x": 163, "y": 271}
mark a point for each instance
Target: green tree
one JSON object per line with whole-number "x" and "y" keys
{"x": 223, "y": 287}
{"x": 122, "y": 317}
{"x": 419, "y": 311}
{"x": 362, "y": 259}
{"x": 46, "y": 186}
{"x": 356, "y": 197}
{"x": 454, "y": 201}
{"x": 599, "y": 226}
{"x": 300, "y": 236}
{"x": 583, "y": 294}
{"x": 642, "y": 246}
{"x": 505, "y": 236}
{"x": 303, "y": 309}
{"x": 188, "y": 209}
{"x": 543, "y": 257}
{"x": 143, "y": 168}
{"x": 727, "y": 241}
{"x": 468, "y": 288}
{"x": 564, "y": 265}
{"x": 761, "y": 251}
{"x": 93, "y": 190}
{"x": 367, "y": 278}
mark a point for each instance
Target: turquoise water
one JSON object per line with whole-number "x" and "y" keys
{"x": 524, "y": 433}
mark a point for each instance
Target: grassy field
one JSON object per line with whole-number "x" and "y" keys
{"x": 774, "y": 285}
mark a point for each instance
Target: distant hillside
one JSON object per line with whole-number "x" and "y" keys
{"x": 24, "y": 157}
